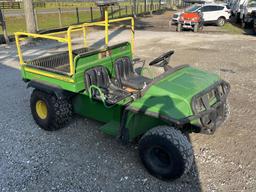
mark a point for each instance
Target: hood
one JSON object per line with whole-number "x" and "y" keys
{"x": 172, "y": 95}
{"x": 192, "y": 15}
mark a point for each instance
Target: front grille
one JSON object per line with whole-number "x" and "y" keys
{"x": 207, "y": 98}
{"x": 211, "y": 106}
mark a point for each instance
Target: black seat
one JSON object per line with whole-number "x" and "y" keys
{"x": 99, "y": 77}
{"x": 126, "y": 76}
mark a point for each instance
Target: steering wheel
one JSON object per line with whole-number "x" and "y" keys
{"x": 162, "y": 60}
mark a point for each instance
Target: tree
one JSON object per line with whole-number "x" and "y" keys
{"x": 29, "y": 16}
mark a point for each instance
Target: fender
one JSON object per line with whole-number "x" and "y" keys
{"x": 51, "y": 89}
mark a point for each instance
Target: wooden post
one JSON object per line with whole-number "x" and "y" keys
{"x": 112, "y": 12}
{"x": 77, "y": 15}
{"x": 60, "y": 22}
{"x": 145, "y": 6}
{"x": 135, "y": 8}
{"x": 36, "y": 20}
{"x": 91, "y": 14}
{"x": 3, "y": 24}
{"x": 119, "y": 10}
{"x": 151, "y": 7}
{"x": 29, "y": 16}
{"x": 126, "y": 11}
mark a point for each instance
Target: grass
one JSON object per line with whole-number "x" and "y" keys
{"x": 50, "y": 21}
{"x": 233, "y": 29}
{"x": 82, "y": 4}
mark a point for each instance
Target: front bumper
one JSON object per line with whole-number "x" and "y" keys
{"x": 214, "y": 115}
{"x": 187, "y": 24}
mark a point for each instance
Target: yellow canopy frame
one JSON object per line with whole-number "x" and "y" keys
{"x": 68, "y": 38}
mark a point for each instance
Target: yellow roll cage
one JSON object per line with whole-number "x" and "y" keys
{"x": 68, "y": 39}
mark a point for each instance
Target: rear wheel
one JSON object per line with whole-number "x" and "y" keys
{"x": 166, "y": 152}
{"x": 221, "y": 21}
{"x": 49, "y": 112}
{"x": 178, "y": 27}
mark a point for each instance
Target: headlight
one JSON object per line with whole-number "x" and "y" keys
{"x": 199, "y": 105}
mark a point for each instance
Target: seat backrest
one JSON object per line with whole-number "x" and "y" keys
{"x": 97, "y": 76}
{"x": 124, "y": 68}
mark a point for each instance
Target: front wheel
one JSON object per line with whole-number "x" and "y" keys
{"x": 221, "y": 21}
{"x": 166, "y": 153}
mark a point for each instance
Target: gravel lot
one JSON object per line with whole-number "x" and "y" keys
{"x": 80, "y": 158}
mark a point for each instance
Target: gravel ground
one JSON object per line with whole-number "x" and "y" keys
{"x": 81, "y": 158}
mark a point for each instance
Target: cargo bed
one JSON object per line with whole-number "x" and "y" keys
{"x": 58, "y": 63}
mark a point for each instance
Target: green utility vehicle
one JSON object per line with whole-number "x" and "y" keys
{"x": 102, "y": 84}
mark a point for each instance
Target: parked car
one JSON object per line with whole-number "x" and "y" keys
{"x": 211, "y": 12}
{"x": 192, "y": 21}
{"x": 191, "y": 9}
{"x": 246, "y": 13}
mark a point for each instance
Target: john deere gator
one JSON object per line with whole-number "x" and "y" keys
{"x": 102, "y": 84}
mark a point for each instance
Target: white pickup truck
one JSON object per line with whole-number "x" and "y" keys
{"x": 246, "y": 10}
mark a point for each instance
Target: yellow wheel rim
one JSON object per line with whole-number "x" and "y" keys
{"x": 41, "y": 109}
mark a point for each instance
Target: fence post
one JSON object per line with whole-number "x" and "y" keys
{"x": 77, "y": 15}
{"x": 112, "y": 12}
{"x": 145, "y": 6}
{"x": 126, "y": 11}
{"x": 91, "y": 14}
{"x": 119, "y": 10}
{"x": 36, "y": 20}
{"x": 60, "y": 22}
{"x": 2, "y": 22}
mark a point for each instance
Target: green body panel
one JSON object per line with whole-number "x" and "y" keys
{"x": 87, "y": 107}
{"x": 84, "y": 63}
{"x": 51, "y": 81}
{"x": 171, "y": 96}
{"x": 138, "y": 124}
